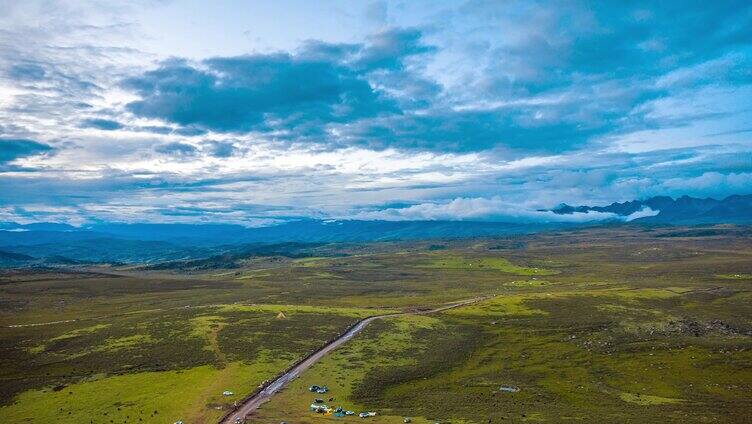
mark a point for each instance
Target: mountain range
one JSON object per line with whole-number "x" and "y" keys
{"x": 54, "y": 244}
{"x": 685, "y": 210}
{"x": 49, "y": 244}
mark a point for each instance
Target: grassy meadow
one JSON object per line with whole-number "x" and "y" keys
{"x": 624, "y": 324}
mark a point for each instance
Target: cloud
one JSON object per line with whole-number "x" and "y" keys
{"x": 377, "y": 11}
{"x": 595, "y": 66}
{"x": 468, "y": 209}
{"x": 176, "y": 149}
{"x": 606, "y": 38}
{"x": 467, "y": 131}
{"x": 255, "y": 92}
{"x": 319, "y": 91}
{"x": 535, "y": 103}
{"x": 709, "y": 182}
{"x": 642, "y": 213}
{"x": 388, "y": 49}
{"x": 101, "y": 124}
{"x": 220, "y": 149}
{"x": 27, "y": 72}
{"x": 575, "y": 76}
{"x": 12, "y": 149}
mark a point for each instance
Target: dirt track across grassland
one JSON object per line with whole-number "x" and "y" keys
{"x": 250, "y": 404}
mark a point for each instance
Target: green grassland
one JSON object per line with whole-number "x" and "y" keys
{"x": 176, "y": 362}
{"x": 611, "y": 356}
{"x": 630, "y": 329}
{"x": 624, "y": 324}
{"x": 471, "y": 263}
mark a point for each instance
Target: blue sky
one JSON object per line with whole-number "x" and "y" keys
{"x": 259, "y": 112}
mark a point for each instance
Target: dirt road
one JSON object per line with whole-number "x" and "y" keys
{"x": 253, "y": 402}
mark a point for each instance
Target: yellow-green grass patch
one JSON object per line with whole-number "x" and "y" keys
{"x": 441, "y": 261}
{"x": 643, "y": 399}
{"x": 500, "y": 306}
{"x": 191, "y": 395}
{"x": 292, "y": 309}
{"x": 81, "y": 331}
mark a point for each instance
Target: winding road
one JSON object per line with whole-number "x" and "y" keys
{"x": 252, "y": 403}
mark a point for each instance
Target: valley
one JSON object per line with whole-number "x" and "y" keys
{"x": 626, "y": 324}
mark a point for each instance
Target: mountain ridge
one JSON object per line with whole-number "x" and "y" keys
{"x": 54, "y": 243}
{"x": 685, "y": 210}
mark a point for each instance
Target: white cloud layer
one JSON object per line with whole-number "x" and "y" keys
{"x": 416, "y": 114}
{"x": 468, "y": 209}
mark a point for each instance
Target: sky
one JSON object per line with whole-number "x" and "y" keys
{"x": 261, "y": 112}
